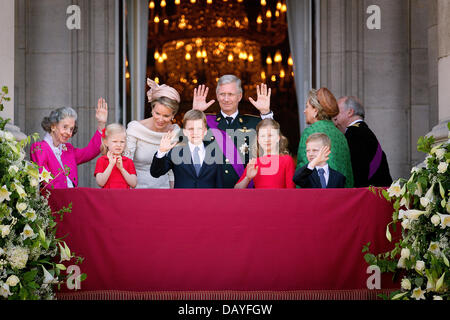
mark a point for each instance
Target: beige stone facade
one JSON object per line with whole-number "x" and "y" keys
{"x": 400, "y": 71}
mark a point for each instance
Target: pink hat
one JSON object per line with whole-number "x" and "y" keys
{"x": 156, "y": 91}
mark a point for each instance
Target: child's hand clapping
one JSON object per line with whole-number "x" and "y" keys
{"x": 119, "y": 162}
{"x": 112, "y": 159}
{"x": 166, "y": 142}
{"x": 322, "y": 157}
{"x": 252, "y": 169}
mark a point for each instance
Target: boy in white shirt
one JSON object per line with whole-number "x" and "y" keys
{"x": 193, "y": 165}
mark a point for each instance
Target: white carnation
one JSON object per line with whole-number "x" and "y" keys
{"x": 405, "y": 253}
{"x": 406, "y": 284}
{"x": 12, "y": 281}
{"x": 17, "y": 257}
{"x": 435, "y": 220}
{"x": 5, "y": 230}
{"x": 440, "y": 153}
{"x": 420, "y": 266}
{"x": 442, "y": 167}
{"x": 9, "y": 136}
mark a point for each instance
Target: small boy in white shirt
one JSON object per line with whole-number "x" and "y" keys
{"x": 317, "y": 173}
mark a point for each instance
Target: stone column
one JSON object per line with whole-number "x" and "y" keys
{"x": 387, "y": 94}
{"x": 342, "y": 26}
{"x": 440, "y": 132}
{"x": 420, "y": 79}
{"x": 432, "y": 36}
{"x": 62, "y": 67}
{"x": 374, "y": 65}
{"x": 7, "y": 55}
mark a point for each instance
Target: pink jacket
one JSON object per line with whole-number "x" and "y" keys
{"x": 42, "y": 154}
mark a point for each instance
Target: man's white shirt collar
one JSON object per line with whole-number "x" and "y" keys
{"x": 234, "y": 115}
{"x": 356, "y": 121}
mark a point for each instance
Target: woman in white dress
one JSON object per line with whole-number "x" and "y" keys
{"x": 144, "y": 137}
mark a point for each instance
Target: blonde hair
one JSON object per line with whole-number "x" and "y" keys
{"x": 167, "y": 102}
{"x": 319, "y": 136}
{"x": 194, "y": 115}
{"x": 111, "y": 129}
{"x": 283, "y": 143}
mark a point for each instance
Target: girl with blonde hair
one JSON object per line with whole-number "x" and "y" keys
{"x": 113, "y": 170}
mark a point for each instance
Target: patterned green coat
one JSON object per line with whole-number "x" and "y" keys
{"x": 339, "y": 159}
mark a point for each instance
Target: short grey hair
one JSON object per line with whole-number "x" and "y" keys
{"x": 354, "y": 104}
{"x": 56, "y": 116}
{"x": 229, "y": 78}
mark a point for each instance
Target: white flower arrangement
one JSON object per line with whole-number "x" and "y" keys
{"x": 27, "y": 225}
{"x": 422, "y": 207}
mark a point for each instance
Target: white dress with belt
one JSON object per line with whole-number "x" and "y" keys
{"x": 142, "y": 144}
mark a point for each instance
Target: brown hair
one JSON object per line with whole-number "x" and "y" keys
{"x": 325, "y": 103}
{"x": 319, "y": 136}
{"x": 194, "y": 115}
{"x": 283, "y": 144}
{"x": 167, "y": 102}
{"x": 111, "y": 129}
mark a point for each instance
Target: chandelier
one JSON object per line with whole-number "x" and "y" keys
{"x": 195, "y": 42}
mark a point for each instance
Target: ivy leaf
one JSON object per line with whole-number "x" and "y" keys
{"x": 386, "y": 195}
{"x": 366, "y": 248}
{"x": 370, "y": 258}
{"x": 30, "y": 275}
{"x": 61, "y": 267}
{"x": 33, "y": 285}
{"x": 424, "y": 144}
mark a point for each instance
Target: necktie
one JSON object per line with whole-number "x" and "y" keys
{"x": 229, "y": 120}
{"x": 322, "y": 177}
{"x": 197, "y": 164}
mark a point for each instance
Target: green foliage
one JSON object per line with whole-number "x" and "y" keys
{"x": 421, "y": 204}
{"x": 30, "y": 254}
{"x": 424, "y": 144}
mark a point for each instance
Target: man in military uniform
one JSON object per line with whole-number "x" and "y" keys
{"x": 233, "y": 132}
{"x": 369, "y": 163}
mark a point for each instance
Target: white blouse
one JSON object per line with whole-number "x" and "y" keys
{"x": 142, "y": 144}
{"x": 57, "y": 151}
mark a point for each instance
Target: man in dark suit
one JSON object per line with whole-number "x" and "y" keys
{"x": 316, "y": 173}
{"x": 369, "y": 162}
{"x": 193, "y": 164}
{"x": 233, "y": 131}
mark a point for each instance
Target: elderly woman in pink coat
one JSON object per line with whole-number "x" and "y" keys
{"x": 59, "y": 157}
